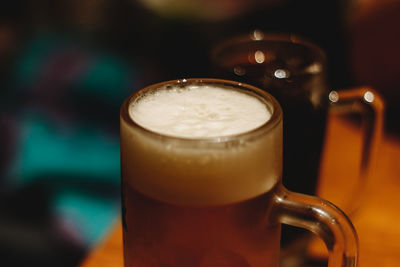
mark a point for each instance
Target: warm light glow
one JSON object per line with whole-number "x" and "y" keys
{"x": 239, "y": 70}
{"x": 257, "y": 35}
{"x": 281, "y": 73}
{"x": 369, "y": 97}
{"x": 259, "y": 56}
{"x": 314, "y": 68}
{"x": 334, "y": 96}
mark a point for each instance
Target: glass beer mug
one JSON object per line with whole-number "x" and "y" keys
{"x": 217, "y": 199}
{"x": 293, "y": 70}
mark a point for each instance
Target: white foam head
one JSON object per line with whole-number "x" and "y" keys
{"x": 198, "y": 111}
{"x": 197, "y": 168}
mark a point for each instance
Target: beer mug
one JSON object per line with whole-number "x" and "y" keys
{"x": 293, "y": 70}
{"x": 196, "y": 193}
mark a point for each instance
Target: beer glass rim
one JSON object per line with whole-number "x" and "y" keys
{"x": 269, "y": 100}
{"x": 260, "y": 37}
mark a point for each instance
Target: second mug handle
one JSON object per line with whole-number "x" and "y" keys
{"x": 370, "y": 106}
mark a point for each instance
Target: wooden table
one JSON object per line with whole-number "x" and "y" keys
{"x": 377, "y": 221}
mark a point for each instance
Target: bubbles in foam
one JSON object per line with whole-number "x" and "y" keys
{"x": 199, "y": 111}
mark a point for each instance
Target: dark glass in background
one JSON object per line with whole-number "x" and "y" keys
{"x": 293, "y": 71}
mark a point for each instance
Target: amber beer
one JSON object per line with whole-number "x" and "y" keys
{"x": 201, "y": 164}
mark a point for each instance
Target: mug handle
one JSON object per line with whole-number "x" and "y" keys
{"x": 322, "y": 218}
{"x": 370, "y": 106}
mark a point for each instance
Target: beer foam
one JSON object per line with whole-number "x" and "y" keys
{"x": 198, "y": 111}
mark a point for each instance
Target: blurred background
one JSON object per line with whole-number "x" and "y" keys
{"x": 67, "y": 65}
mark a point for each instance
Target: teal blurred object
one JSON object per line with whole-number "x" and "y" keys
{"x": 72, "y": 150}
{"x": 62, "y": 107}
{"x": 93, "y": 216}
{"x": 64, "y": 62}
{"x": 65, "y": 158}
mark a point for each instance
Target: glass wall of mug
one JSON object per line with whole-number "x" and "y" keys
{"x": 215, "y": 201}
